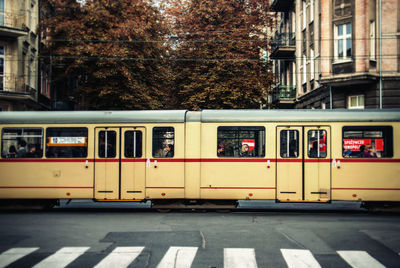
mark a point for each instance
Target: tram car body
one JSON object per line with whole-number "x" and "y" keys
{"x": 193, "y": 157}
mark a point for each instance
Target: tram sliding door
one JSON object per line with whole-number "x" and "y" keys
{"x": 303, "y": 164}
{"x": 289, "y": 164}
{"x": 106, "y": 165}
{"x": 317, "y": 164}
{"x": 120, "y": 163}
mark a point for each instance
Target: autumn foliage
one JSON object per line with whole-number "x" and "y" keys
{"x": 219, "y": 53}
{"x": 102, "y": 45}
{"x": 181, "y": 54}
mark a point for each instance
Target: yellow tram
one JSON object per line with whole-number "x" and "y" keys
{"x": 210, "y": 157}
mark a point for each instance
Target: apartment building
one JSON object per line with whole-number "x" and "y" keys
{"x": 336, "y": 54}
{"x": 19, "y": 46}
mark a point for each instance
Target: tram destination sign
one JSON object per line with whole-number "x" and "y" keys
{"x": 67, "y": 141}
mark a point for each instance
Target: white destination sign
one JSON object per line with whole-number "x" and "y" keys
{"x": 67, "y": 140}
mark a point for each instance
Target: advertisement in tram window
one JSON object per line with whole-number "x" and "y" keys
{"x": 354, "y": 144}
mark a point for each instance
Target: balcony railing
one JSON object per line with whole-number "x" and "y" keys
{"x": 284, "y": 92}
{"x": 282, "y": 5}
{"x": 15, "y": 85}
{"x": 283, "y": 46}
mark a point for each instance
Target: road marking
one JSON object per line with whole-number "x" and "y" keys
{"x": 62, "y": 257}
{"x": 359, "y": 259}
{"x": 180, "y": 257}
{"x": 120, "y": 257}
{"x": 299, "y": 258}
{"x": 14, "y": 254}
{"x": 239, "y": 257}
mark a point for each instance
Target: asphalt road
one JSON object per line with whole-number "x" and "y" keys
{"x": 259, "y": 234}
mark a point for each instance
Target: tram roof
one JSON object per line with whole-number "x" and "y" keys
{"x": 180, "y": 116}
{"x": 336, "y": 115}
{"x": 93, "y": 117}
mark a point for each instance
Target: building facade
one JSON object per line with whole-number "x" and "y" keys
{"x": 336, "y": 54}
{"x": 20, "y": 78}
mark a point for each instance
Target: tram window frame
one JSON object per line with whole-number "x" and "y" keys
{"x": 311, "y": 141}
{"x": 137, "y": 149}
{"x": 160, "y": 142}
{"x": 283, "y": 138}
{"x": 67, "y": 150}
{"x": 369, "y": 132}
{"x": 28, "y": 143}
{"x": 232, "y": 139}
{"x": 110, "y": 141}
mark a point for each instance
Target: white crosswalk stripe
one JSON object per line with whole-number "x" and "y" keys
{"x": 120, "y": 257}
{"x": 299, "y": 258}
{"x": 239, "y": 257}
{"x": 180, "y": 257}
{"x": 360, "y": 259}
{"x": 183, "y": 257}
{"x": 13, "y": 255}
{"x": 62, "y": 258}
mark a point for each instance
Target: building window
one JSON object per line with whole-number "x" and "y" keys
{"x": 311, "y": 10}
{"x": 304, "y": 69}
{"x": 372, "y": 40}
{"x": 355, "y": 102}
{"x": 2, "y": 13}
{"x": 343, "y": 42}
{"x": 2, "y": 67}
{"x": 304, "y": 14}
{"x": 367, "y": 141}
{"x": 241, "y": 142}
{"x": 312, "y": 71}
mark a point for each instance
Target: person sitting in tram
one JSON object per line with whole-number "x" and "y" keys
{"x": 169, "y": 148}
{"x": 245, "y": 151}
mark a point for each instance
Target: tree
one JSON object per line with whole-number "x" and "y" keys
{"x": 113, "y": 49}
{"x": 218, "y": 60}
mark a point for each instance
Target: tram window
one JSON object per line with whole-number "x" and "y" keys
{"x": 133, "y": 144}
{"x": 289, "y": 143}
{"x": 163, "y": 142}
{"x": 367, "y": 141}
{"x": 22, "y": 143}
{"x": 107, "y": 144}
{"x": 241, "y": 142}
{"x": 317, "y": 146}
{"x": 66, "y": 142}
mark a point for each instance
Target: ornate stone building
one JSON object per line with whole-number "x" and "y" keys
{"x": 19, "y": 46}
{"x": 337, "y": 54}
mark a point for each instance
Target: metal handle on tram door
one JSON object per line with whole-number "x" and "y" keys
{"x": 268, "y": 163}
{"x": 87, "y": 163}
{"x": 338, "y": 164}
{"x": 155, "y": 163}
{"x": 148, "y": 164}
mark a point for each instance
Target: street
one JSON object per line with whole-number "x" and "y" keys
{"x": 258, "y": 234}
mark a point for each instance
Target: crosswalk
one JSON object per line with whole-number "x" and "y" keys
{"x": 183, "y": 257}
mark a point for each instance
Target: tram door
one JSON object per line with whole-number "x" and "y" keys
{"x": 119, "y": 163}
{"x": 303, "y": 163}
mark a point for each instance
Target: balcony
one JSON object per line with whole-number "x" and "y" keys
{"x": 12, "y": 24}
{"x": 15, "y": 88}
{"x": 283, "y": 46}
{"x": 282, "y": 5}
{"x": 284, "y": 94}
